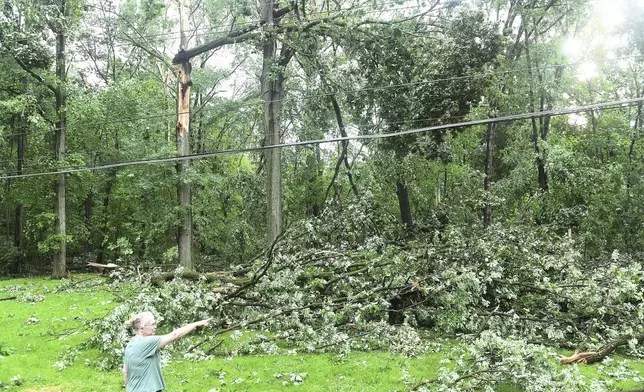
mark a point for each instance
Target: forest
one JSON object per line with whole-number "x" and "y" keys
{"x": 337, "y": 174}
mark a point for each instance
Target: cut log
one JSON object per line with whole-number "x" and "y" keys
{"x": 7, "y": 298}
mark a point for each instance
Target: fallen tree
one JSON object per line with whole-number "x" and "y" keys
{"x": 314, "y": 290}
{"x": 590, "y": 357}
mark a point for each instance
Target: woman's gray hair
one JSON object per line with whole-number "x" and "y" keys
{"x": 135, "y": 322}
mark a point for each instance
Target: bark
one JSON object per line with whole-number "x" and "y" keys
{"x": 89, "y": 209}
{"x": 272, "y": 80}
{"x": 7, "y": 210}
{"x": 59, "y": 268}
{"x": 343, "y": 158}
{"x": 316, "y": 208}
{"x": 403, "y": 203}
{"x": 19, "y": 220}
{"x": 547, "y": 104}
{"x": 487, "y": 182}
{"x": 100, "y": 258}
{"x": 637, "y": 129}
{"x": 184, "y": 232}
{"x": 590, "y": 357}
{"x": 200, "y": 143}
{"x": 542, "y": 176}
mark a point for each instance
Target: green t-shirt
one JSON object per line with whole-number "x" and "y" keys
{"x": 143, "y": 364}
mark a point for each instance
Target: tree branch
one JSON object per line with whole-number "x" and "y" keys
{"x": 34, "y": 75}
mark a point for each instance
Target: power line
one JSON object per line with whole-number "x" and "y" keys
{"x": 379, "y": 126}
{"x": 96, "y": 124}
{"x": 523, "y": 116}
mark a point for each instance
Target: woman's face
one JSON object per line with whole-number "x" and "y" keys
{"x": 148, "y": 327}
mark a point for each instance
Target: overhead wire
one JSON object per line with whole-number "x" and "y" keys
{"x": 492, "y": 120}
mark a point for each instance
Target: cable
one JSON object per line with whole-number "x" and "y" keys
{"x": 379, "y": 126}
{"x": 96, "y": 124}
{"x": 523, "y": 116}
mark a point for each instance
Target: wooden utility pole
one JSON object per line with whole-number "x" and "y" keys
{"x": 184, "y": 234}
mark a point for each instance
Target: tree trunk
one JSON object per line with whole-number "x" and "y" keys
{"x": 19, "y": 216}
{"x": 541, "y": 170}
{"x": 590, "y": 357}
{"x": 344, "y": 153}
{"x": 487, "y": 182}
{"x": 59, "y": 268}
{"x": 403, "y": 203}
{"x": 272, "y": 79}
{"x": 89, "y": 204}
{"x": 637, "y": 129}
{"x": 547, "y": 103}
{"x": 200, "y": 144}
{"x": 100, "y": 257}
{"x": 184, "y": 233}
{"x": 7, "y": 209}
{"x": 271, "y": 132}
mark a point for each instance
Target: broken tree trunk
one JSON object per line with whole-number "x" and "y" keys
{"x": 589, "y": 357}
{"x": 184, "y": 190}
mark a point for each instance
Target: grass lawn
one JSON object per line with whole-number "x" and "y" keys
{"x": 39, "y": 338}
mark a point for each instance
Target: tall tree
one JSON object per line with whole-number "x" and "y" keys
{"x": 184, "y": 236}
{"x": 59, "y": 27}
{"x": 57, "y": 19}
{"x": 422, "y": 60}
{"x": 272, "y": 81}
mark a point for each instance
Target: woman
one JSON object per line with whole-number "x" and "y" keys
{"x": 142, "y": 365}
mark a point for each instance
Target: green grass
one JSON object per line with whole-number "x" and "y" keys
{"x": 33, "y": 349}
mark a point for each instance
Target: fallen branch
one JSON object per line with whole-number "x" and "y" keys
{"x": 223, "y": 276}
{"x": 109, "y": 266}
{"x": 590, "y": 357}
{"x": 7, "y": 298}
{"x": 578, "y": 357}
